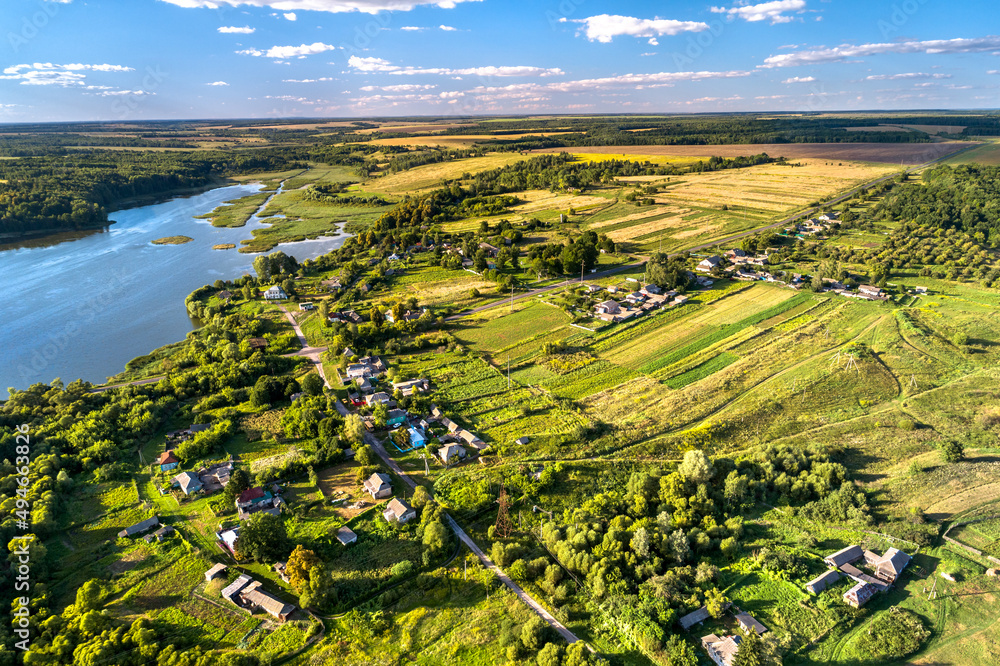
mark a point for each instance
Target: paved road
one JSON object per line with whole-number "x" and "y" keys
{"x": 311, "y": 353}
{"x": 719, "y": 241}
{"x": 570, "y": 637}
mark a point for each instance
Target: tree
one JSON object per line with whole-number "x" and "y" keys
{"x": 952, "y": 450}
{"x": 354, "y": 429}
{"x": 479, "y": 263}
{"x": 640, "y": 543}
{"x": 239, "y": 481}
{"x": 380, "y": 414}
{"x": 667, "y": 273}
{"x": 696, "y": 467}
{"x": 678, "y": 652}
{"x": 550, "y": 655}
{"x": 376, "y": 316}
{"x": 89, "y": 596}
{"x": 364, "y": 456}
{"x": 324, "y": 311}
{"x": 300, "y": 563}
{"x": 715, "y": 602}
{"x": 420, "y": 498}
{"x": 435, "y": 537}
{"x": 262, "y": 538}
{"x": 751, "y": 652}
{"x": 679, "y": 546}
{"x": 729, "y": 546}
{"x": 533, "y": 633}
{"x": 312, "y": 384}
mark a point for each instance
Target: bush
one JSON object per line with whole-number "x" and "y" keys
{"x": 402, "y": 569}
{"x": 952, "y": 450}
{"x": 906, "y": 424}
{"x": 892, "y": 635}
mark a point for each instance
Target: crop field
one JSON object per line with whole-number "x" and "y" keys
{"x": 430, "y": 176}
{"x": 338, "y": 483}
{"x": 988, "y": 153}
{"x": 509, "y": 329}
{"x": 321, "y": 175}
{"x": 888, "y": 153}
{"x": 539, "y": 200}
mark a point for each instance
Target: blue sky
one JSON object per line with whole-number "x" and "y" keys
{"x": 153, "y": 59}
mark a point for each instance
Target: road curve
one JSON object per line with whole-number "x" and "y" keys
{"x": 568, "y": 635}
{"x": 311, "y": 353}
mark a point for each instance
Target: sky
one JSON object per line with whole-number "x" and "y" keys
{"x": 129, "y": 60}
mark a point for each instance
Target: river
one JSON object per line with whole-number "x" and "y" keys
{"x": 82, "y": 307}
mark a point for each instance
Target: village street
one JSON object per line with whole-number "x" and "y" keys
{"x": 467, "y": 540}
{"x": 311, "y": 353}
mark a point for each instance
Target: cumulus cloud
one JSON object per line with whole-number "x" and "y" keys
{"x": 372, "y": 64}
{"x": 334, "y": 6}
{"x": 800, "y": 79}
{"x": 605, "y": 27}
{"x": 281, "y": 52}
{"x": 447, "y": 28}
{"x": 322, "y": 78}
{"x": 775, "y": 11}
{"x": 906, "y": 76}
{"x": 849, "y": 51}
{"x": 50, "y": 74}
{"x": 234, "y": 29}
{"x": 412, "y": 28}
{"x": 217, "y": 83}
{"x": 290, "y": 16}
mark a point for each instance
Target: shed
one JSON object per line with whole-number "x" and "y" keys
{"x": 844, "y": 556}
{"x": 823, "y": 581}
{"x": 346, "y": 536}
{"x": 522, "y": 440}
{"x": 139, "y": 527}
{"x": 237, "y": 585}
{"x": 216, "y": 571}
{"x": 694, "y": 618}
{"x": 747, "y": 622}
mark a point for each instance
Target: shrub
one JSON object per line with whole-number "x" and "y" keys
{"x": 402, "y": 569}
{"x": 892, "y": 635}
{"x": 906, "y": 424}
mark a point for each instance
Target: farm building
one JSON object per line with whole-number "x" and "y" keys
{"x": 307, "y": 306}
{"x": 522, "y": 441}
{"x": 236, "y": 586}
{"x": 412, "y": 386}
{"x": 721, "y": 650}
{"x": 449, "y": 424}
{"x": 821, "y": 582}
{"x": 747, "y": 622}
{"x": 398, "y": 511}
{"x": 471, "y": 439}
{"x": 694, "y": 618}
{"x": 160, "y": 534}
{"x": 275, "y": 607}
{"x": 187, "y": 482}
{"x": 378, "y": 485}
{"x": 139, "y": 527}
{"x": 346, "y": 536}
{"x": 891, "y": 565}
{"x": 859, "y": 595}
{"x": 216, "y": 571}
{"x": 451, "y": 453}
{"x": 844, "y": 556}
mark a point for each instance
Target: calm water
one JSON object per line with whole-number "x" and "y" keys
{"x": 82, "y": 308}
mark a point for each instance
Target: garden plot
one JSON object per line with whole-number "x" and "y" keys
{"x": 539, "y": 200}
{"x": 509, "y": 329}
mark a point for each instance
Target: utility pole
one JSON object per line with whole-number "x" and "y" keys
{"x": 512, "y": 297}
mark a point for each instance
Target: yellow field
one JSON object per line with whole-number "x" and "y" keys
{"x": 742, "y": 305}
{"x": 639, "y": 157}
{"x": 454, "y": 140}
{"x": 771, "y": 188}
{"x": 430, "y": 175}
{"x": 647, "y": 212}
{"x": 538, "y": 200}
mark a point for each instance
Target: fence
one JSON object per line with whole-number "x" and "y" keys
{"x": 974, "y": 551}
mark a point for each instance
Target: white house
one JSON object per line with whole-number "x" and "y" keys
{"x": 275, "y": 293}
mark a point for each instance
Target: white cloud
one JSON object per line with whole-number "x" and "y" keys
{"x": 290, "y": 16}
{"x": 653, "y": 41}
{"x": 50, "y": 74}
{"x": 402, "y": 87}
{"x": 847, "y": 51}
{"x": 993, "y": 71}
{"x": 372, "y": 64}
{"x": 412, "y": 28}
{"x": 322, "y": 78}
{"x": 647, "y": 54}
{"x": 333, "y": 6}
{"x": 605, "y": 27}
{"x": 447, "y": 28}
{"x": 217, "y": 83}
{"x": 765, "y": 11}
{"x": 233, "y": 29}
{"x": 280, "y": 52}
{"x": 133, "y": 93}
{"x": 906, "y": 76}
{"x": 800, "y": 79}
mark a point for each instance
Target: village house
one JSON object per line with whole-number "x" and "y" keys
{"x": 451, "y": 453}
{"x": 376, "y": 398}
{"x": 823, "y": 581}
{"x": 215, "y": 477}
{"x": 216, "y": 571}
{"x": 275, "y": 293}
{"x": 635, "y": 298}
{"x": 890, "y": 565}
{"x": 707, "y": 265}
{"x": 307, "y": 306}
{"x": 346, "y": 536}
{"x": 412, "y": 386}
{"x": 378, "y": 485}
{"x": 167, "y": 461}
{"x": 398, "y": 511}
{"x": 188, "y": 483}
{"x": 395, "y": 417}
{"x": 228, "y": 538}
{"x": 693, "y": 618}
{"x": 490, "y": 250}
{"x": 255, "y": 500}
{"x": 608, "y": 308}
{"x": 748, "y": 623}
{"x": 417, "y": 439}
{"x": 159, "y": 534}
{"x": 139, "y": 528}
{"x": 870, "y": 292}
{"x": 859, "y": 595}
{"x": 723, "y": 650}
{"x": 471, "y": 439}
{"x": 333, "y": 284}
